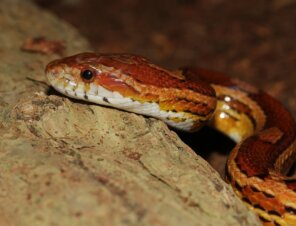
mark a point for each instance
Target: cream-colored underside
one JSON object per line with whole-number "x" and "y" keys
{"x": 100, "y": 95}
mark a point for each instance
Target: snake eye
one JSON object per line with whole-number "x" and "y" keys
{"x": 87, "y": 75}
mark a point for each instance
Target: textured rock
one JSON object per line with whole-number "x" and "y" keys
{"x": 64, "y": 162}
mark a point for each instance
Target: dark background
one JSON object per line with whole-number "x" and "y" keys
{"x": 253, "y": 40}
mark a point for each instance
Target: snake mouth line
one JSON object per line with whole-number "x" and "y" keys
{"x": 114, "y": 99}
{"x": 94, "y": 93}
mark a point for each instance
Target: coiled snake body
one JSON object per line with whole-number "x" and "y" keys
{"x": 187, "y": 98}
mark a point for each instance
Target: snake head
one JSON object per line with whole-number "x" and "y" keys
{"x": 132, "y": 83}
{"x": 89, "y": 76}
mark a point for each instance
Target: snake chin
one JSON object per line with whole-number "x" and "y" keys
{"x": 101, "y": 96}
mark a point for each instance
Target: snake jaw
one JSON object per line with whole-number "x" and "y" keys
{"x": 94, "y": 93}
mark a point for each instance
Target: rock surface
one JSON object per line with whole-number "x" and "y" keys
{"x": 64, "y": 162}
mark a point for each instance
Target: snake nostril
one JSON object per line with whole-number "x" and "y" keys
{"x": 48, "y": 68}
{"x": 53, "y": 66}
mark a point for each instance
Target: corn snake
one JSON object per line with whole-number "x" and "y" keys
{"x": 186, "y": 99}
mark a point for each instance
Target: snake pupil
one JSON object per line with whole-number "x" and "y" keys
{"x": 87, "y": 75}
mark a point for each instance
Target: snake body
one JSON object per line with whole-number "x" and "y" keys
{"x": 186, "y": 99}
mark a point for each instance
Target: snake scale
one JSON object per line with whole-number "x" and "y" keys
{"x": 186, "y": 99}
